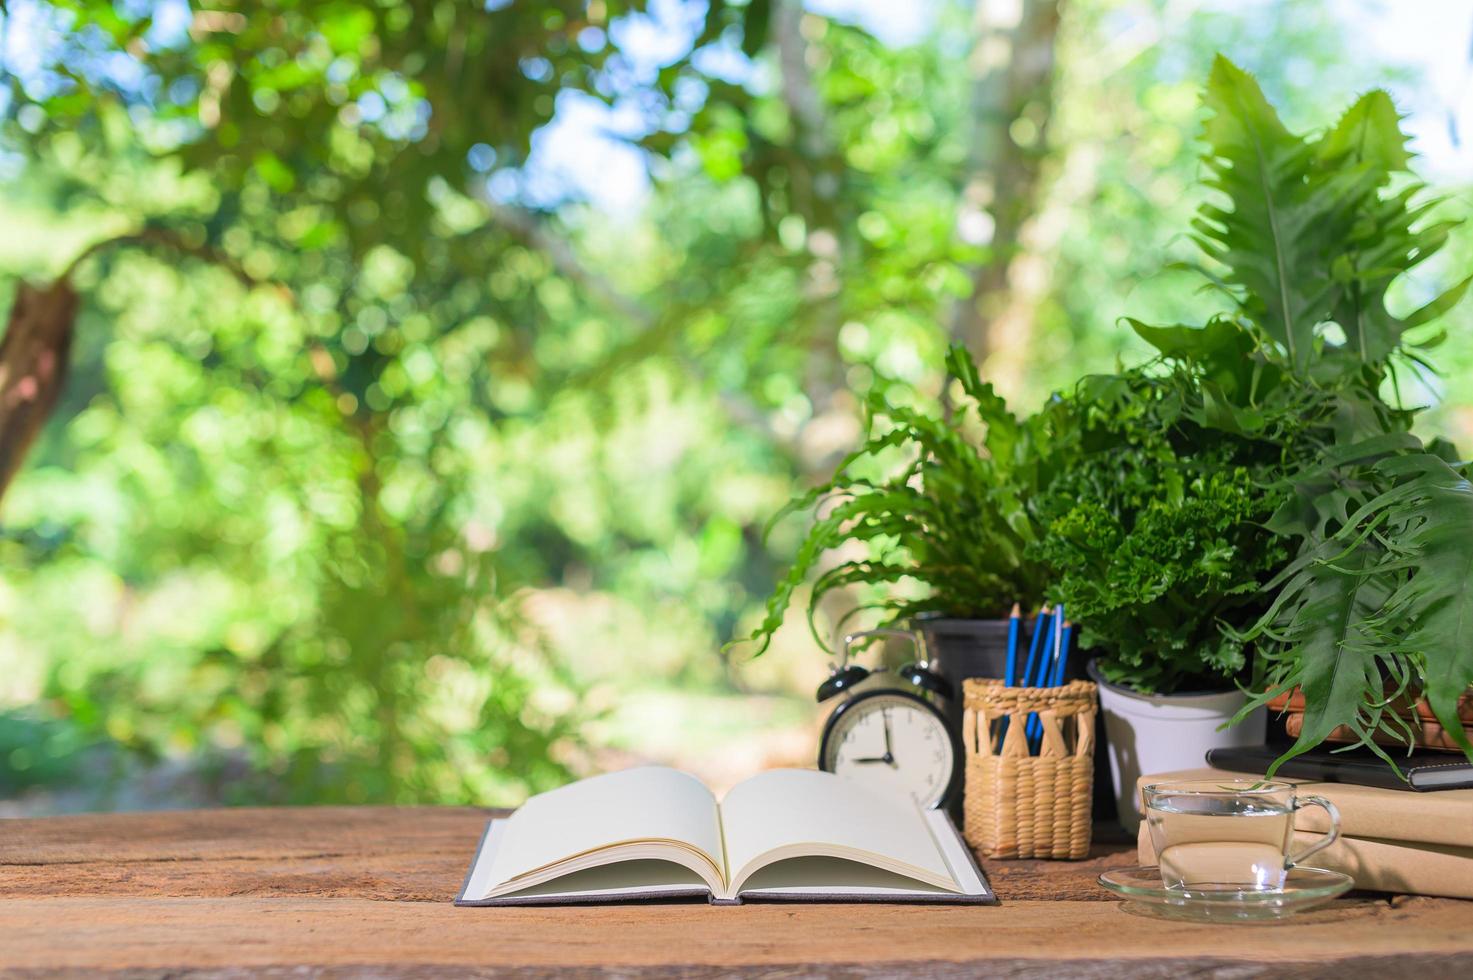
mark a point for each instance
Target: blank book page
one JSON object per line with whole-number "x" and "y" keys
{"x": 647, "y": 803}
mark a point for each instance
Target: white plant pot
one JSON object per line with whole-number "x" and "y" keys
{"x": 1151, "y": 733}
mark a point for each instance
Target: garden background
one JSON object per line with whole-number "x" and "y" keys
{"x": 442, "y": 363}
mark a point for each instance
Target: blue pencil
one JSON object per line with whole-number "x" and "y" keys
{"x": 1064, "y": 634}
{"x": 1058, "y": 643}
{"x": 1040, "y": 629}
{"x": 1061, "y": 663}
{"x": 1040, "y": 678}
{"x": 1046, "y": 656}
{"x": 1011, "y": 676}
{"x": 1040, "y": 625}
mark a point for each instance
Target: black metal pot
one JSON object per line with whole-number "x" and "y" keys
{"x": 963, "y": 648}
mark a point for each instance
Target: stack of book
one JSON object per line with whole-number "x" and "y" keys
{"x": 1391, "y": 840}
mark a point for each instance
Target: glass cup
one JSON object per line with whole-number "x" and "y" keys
{"x": 1228, "y": 834}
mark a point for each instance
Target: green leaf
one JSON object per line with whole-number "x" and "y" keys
{"x": 1369, "y": 450}
{"x": 1216, "y": 337}
{"x": 1337, "y": 652}
{"x": 1439, "y": 306}
{"x": 1368, "y": 132}
{"x": 1382, "y": 244}
{"x": 1219, "y": 412}
{"x": 1437, "y": 600}
{"x": 1260, "y": 166}
{"x": 754, "y": 26}
{"x": 960, "y": 365}
{"x": 1287, "y": 220}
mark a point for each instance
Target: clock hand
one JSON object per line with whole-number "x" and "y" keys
{"x": 876, "y": 758}
{"x": 889, "y": 757}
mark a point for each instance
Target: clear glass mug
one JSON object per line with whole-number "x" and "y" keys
{"x": 1229, "y": 833}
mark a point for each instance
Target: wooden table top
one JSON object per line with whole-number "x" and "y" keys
{"x": 366, "y": 892}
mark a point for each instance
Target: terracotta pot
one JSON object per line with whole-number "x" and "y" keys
{"x": 1428, "y": 731}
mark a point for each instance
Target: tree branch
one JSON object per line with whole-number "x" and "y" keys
{"x": 173, "y": 241}
{"x": 38, "y": 337}
{"x": 534, "y": 233}
{"x": 33, "y": 367}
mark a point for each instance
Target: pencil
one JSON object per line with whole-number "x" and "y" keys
{"x": 1040, "y": 626}
{"x": 1058, "y": 643}
{"x": 1045, "y": 666}
{"x": 1061, "y": 663}
{"x": 1010, "y": 676}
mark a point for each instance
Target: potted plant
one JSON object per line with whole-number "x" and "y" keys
{"x": 1243, "y": 517}
{"x": 942, "y": 531}
{"x": 1375, "y": 612}
{"x": 1154, "y": 542}
{"x": 1288, "y": 489}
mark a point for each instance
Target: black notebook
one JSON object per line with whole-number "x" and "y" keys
{"x": 785, "y": 835}
{"x": 1424, "y": 771}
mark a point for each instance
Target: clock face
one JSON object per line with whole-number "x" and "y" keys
{"x": 892, "y": 743}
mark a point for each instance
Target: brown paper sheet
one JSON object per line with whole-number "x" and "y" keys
{"x": 1444, "y": 817}
{"x": 1379, "y": 865}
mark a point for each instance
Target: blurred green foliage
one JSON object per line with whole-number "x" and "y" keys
{"x": 403, "y": 472}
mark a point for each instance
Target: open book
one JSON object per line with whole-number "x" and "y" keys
{"x": 788, "y": 834}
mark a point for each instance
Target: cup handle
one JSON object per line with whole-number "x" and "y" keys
{"x": 1330, "y": 838}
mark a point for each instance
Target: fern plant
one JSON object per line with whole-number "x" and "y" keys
{"x": 1155, "y": 534}
{"x": 955, "y": 519}
{"x": 1378, "y": 601}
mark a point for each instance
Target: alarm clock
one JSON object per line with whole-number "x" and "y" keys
{"x": 893, "y": 738}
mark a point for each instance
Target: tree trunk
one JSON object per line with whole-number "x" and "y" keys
{"x": 1012, "y": 65}
{"x": 33, "y": 366}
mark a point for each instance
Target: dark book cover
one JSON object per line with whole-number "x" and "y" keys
{"x": 1423, "y": 771}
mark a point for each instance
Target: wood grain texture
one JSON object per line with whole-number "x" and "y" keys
{"x": 349, "y": 892}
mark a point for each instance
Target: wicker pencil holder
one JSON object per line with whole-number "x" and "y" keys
{"x": 1019, "y": 805}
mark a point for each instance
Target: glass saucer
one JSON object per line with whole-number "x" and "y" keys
{"x": 1304, "y": 888}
